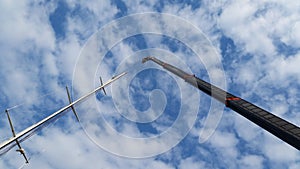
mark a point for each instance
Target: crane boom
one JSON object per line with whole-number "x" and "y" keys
{"x": 279, "y": 127}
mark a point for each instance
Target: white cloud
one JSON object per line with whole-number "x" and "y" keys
{"x": 237, "y": 21}
{"x": 285, "y": 69}
{"x": 252, "y": 161}
{"x": 191, "y": 163}
{"x": 223, "y": 139}
{"x": 22, "y": 28}
{"x": 279, "y": 152}
{"x": 23, "y": 34}
{"x": 101, "y": 11}
{"x": 246, "y": 129}
{"x": 253, "y": 26}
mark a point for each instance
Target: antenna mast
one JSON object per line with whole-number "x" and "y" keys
{"x": 19, "y": 137}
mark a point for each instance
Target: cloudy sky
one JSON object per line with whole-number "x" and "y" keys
{"x": 150, "y": 118}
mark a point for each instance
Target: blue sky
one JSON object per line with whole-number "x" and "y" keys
{"x": 150, "y": 118}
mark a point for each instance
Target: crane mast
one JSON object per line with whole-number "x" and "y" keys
{"x": 279, "y": 127}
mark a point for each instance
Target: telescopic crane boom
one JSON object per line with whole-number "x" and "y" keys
{"x": 279, "y": 127}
